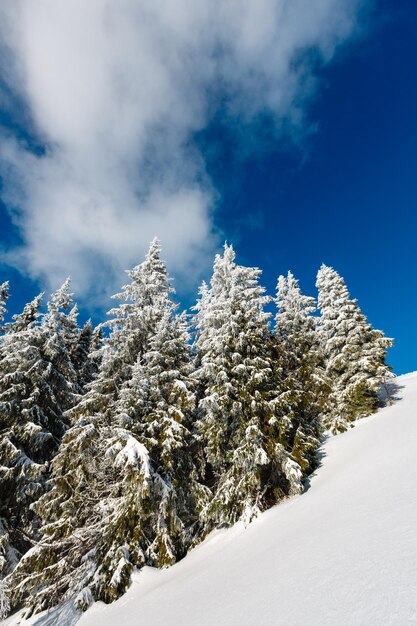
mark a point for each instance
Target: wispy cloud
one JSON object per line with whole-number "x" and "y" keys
{"x": 115, "y": 92}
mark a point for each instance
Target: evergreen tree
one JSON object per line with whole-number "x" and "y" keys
{"x": 154, "y": 515}
{"x": 247, "y": 467}
{"x": 24, "y": 442}
{"x": 354, "y": 352}
{"x": 131, "y": 325}
{"x": 60, "y": 332}
{"x": 123, "y": 491}
{"x": 36, "y": 388}
{"x": 302, "y": 376}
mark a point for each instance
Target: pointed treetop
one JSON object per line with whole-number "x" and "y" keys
{"x": 88, "y": 327}
{"x": 289, "y": 284}
{"x": 229, "y": 253}
{"x": 151, "y": 274}
{"x": 62, "y": 298}
{"x": 154, "y": 247}
{"x": 292, "y": 281}
{"x": 153, "y": 256}
{"x": 331, "y": 286}
{"x": 222, "y": 268}
{"x": 61, "y": 310}
{"x": 28, "y": 317}
{"x": 327, "y": 270}
{"x": 286, "y": 284}
{"x": 282, "y": 285}
{"x": 327, "y": 273}
{"x": 294, "y": 308}
{"x": 227, "y": 257}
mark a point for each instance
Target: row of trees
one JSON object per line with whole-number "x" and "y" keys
{"x": 127, "y": 451}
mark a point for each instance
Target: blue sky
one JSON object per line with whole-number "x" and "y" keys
{"x": 304, "y": 159}
{"x": 348, "y": 197}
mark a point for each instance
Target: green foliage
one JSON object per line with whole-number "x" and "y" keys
{"x": 238, "y": 423}
{"x": 354, "y": 353}
{"x": 123, "y": 489}
{"x": 36, "y": 388}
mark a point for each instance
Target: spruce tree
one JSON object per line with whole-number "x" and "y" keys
{"x": 25, "y": 444}
{"x": 122, "y": 490}
{"x": 60, "y": 330}
{"x": 154, "y": 516}
{"x": 302, "y": 376}
{"x": 131, "y": 325}
{"x": 247, "y": 469}
{"x": 37, "y": 385}
{"x": 354, "y": 353}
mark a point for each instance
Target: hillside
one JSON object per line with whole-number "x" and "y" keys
{"x": 341, "y": 553}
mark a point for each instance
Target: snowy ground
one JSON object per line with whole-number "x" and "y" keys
{"x": 344, "y": 552}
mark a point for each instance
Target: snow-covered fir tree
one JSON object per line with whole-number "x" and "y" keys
{"x": 248, "y": 469}
{"x": 354, "y": 353}
{"x": 60, "y": 331}
{"x": 123, "y": 491}
{"x": 132, "y": 324}
{"x": 24, "y": 442}
{"x": 82, "y": 475}
{"x": 154, "y": 515}
{"x": 302, "y": 375}
{"x": 79, "y": 347}
{"x": 36, "y": 388}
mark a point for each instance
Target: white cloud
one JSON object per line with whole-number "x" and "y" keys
{"x": 115, "y": 91}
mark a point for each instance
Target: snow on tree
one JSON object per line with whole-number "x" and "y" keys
{"x": 9, "y": 556}
{"x": 4, "y": 600}
{"x": 247, "y": 469}
{"x": 4, "y": 296}
{"x": 60, "y": 303}
{"x": 36, "y": 388}
{"x": 24, "y": 442}
{"x": 354, "y": 352}
{"x": 154, "y": 514}
{"x": 122, "y": 490}
{"x": 86, "y": 354}
{"x": 302, "y": 376}
{"x": 148, "y": 443}
{"x": 131, "y": 324}
{"x": 60, "y": 330}
{"x": 82, "y": 475}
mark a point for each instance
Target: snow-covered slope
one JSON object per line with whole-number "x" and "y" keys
{"x": 344, "y": 552}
